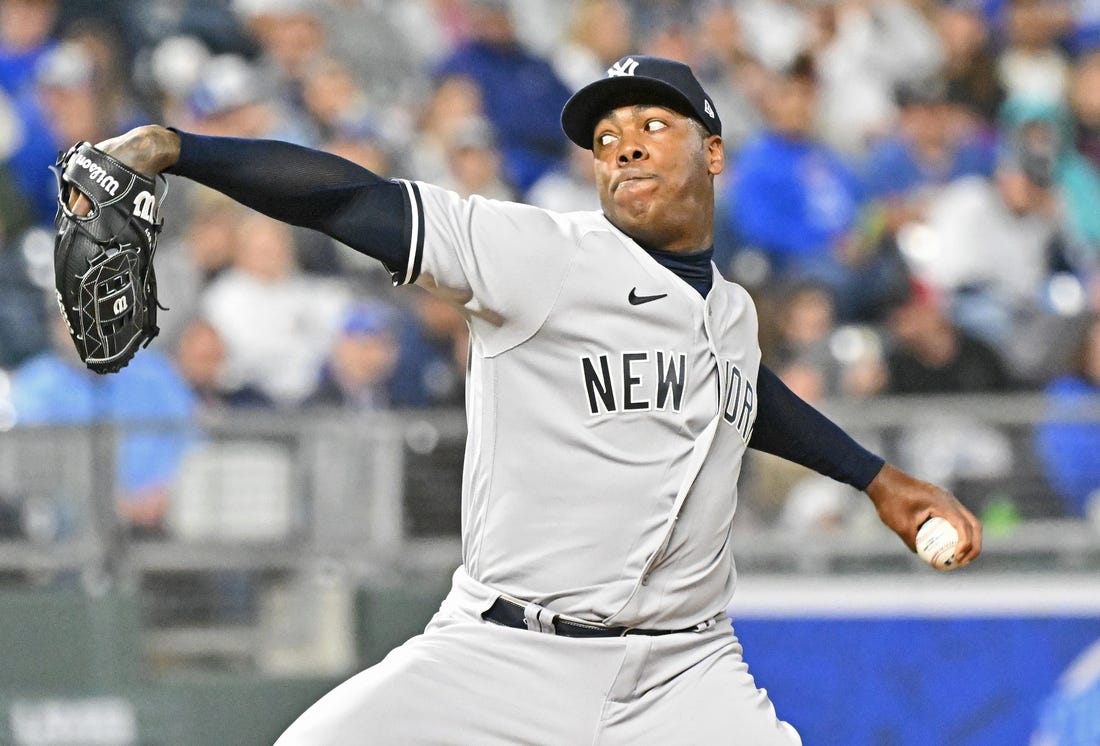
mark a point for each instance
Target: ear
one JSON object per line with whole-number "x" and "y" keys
{"x": 716, "y": 154}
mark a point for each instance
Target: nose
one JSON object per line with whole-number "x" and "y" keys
{"x": 630, "y": 150}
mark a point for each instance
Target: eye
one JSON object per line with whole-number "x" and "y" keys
{"x": 655, "y": 125}
{"x": 605, "y": 139}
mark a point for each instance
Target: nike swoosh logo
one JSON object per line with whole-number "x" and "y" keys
{"x": 637, "y": 300}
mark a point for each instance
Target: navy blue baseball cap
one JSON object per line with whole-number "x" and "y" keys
{"x": 638, "y": 79}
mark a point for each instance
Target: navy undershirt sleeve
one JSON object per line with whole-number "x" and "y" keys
{"x": 303, "y": 187}
{"x": 786, "y": 426}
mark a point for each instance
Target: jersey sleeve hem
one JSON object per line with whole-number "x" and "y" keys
{"x": 413, "y": 235}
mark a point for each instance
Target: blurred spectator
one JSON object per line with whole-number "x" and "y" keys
{"x": 970, "y": 68}
{"x": 232, "y": 99}
{"x": 793, "y": 198}
{"x": 361, "y": 365}
{"x": 71, "y": 95}
{"x": 932, "y": 356}
{"x": 600, "y": 32}
{"x": 200, "y": 359}
{"x": 333, "y": 97}
{"x": 147, "y": 400}
{"x": 192, "y": 254}
{"x": 1084, "y": 32}
{"x": 864, "y": 50}
{"x": 277, "y": 324}
{"x": 290, "y": 34}
{"x": 79, "y": 92}
{"x": 568, "y": 187}
{"x": 858, "y": 348}
{"x": 804, "y": 319}
{"x": 455, "y": 101}
{"x": 214, "y": 24}
{"x": 106, "y": 48}
{"x": 776, "y": 30}
{"x": 923, "y": 153}
{"x": 26, "y": 33}
{"x": 521, "y": 94}
{"x": 431, "y": 367}
{"x": 474, "y": 163}
{"x": 1085, "y": 100}
{"x": 987, "y": 247}
{"x": 797, "y": 202}
{"x": 792, "y": 496}
{"x": 1032, "y": 66}
{"x": 65, "y": 106}
{"x": 173, "y": 68}
{"x": 23, "y": 316}
{"x": 1075, "y": 180}
{"x": 389, "y": 47}
{"x": 670, "y": 34}
{"x": 1067, "y": 441}
{"x": 728, "y": 71}
{"x": 15, "y": 213}
{"x": 825, "y": 359}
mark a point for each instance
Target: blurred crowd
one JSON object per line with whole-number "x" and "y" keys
{"x": 912, "y": 193}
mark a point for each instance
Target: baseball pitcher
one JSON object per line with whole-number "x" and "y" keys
{"x": 614, "y": 385}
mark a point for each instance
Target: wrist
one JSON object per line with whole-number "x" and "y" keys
{"x": 884, "y": 483}
{"x": 148, "y": 149}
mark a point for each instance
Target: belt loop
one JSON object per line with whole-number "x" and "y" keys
{"x": 702, "y": 626}
{"x": 539, "y": 619}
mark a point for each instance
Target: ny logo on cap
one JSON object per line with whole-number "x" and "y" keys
{"x": 623, "y": 67}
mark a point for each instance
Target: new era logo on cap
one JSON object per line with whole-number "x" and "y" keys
{"x": 638, "y": 79}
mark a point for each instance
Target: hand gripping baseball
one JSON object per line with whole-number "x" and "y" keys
{"x": 904, "y": 503}
{"x": 107, "y": 227}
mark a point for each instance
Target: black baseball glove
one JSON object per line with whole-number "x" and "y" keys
{"x": 103, "y": 261}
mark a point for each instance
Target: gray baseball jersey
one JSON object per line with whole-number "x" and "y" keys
{"x": 609, "y": 407}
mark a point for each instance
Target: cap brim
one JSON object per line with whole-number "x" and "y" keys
{"x": 588, "y": 105}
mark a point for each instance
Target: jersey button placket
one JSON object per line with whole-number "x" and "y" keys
{"x": 707, "y": 315}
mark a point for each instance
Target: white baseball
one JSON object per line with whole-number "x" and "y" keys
{"x": 936, "y": 542}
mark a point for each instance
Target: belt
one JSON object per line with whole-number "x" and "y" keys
{"x": 509, "y": 613}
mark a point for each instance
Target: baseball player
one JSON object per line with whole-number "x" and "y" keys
{"x": 614, "y": 384}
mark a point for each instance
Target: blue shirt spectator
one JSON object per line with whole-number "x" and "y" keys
{"x": 30, "y": 161}
{"x": 1068, "y": 443}
{"x": 521, "y": 94}
{"x": 927, "y": 148}
{"x": 431, "y": 361}
{"x": 794, "y": 199}
{"x": 1068, "y": 446}
{"x": 17, "y": 67}
{"x": 26, "y": 33}
{"x": 893, "y": 168}
{"x": 148, "y": 395}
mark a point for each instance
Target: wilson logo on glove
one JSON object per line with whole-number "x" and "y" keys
{"x": 103, "y": 261}
{"x": 144, "y": 206}
{"x": 97, "y": 174}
